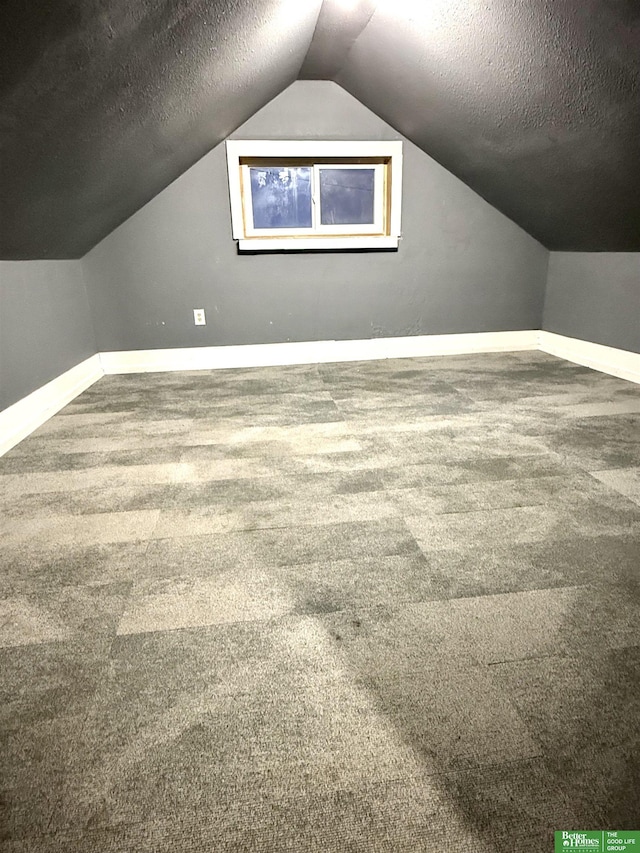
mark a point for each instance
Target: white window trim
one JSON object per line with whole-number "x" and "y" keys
{"x": 329, "y": 237}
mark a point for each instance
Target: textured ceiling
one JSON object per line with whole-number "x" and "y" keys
{"x": 339, "y": 25}
{"x": 535, "y": 104}
{"x": 105, "y": 102}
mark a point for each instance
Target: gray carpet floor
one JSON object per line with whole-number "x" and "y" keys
{"x": 383, "y": 606}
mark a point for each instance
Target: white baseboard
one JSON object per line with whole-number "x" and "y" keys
{"x": 616, "y": 362}
{"x": 22, "y": 418}
{"x": 314, "y": 352}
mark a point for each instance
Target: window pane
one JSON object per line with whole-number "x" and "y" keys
{"x": 347, "y": 196}
{"x": 281, "y": 196}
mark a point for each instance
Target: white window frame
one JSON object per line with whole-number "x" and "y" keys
{"x": 385, "y": 157}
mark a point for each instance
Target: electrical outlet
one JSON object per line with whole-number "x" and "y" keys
{"x": 198, "y": 317}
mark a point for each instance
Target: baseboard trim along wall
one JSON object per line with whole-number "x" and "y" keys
{"x": 22, "y": 418}
{"x": 616, "y": 362}
{"x": 314, "y": 352}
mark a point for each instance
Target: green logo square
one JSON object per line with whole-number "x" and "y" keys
{"x": 597, "y": 841}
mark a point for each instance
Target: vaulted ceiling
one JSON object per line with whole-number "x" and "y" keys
{"x": 535, "y": 104}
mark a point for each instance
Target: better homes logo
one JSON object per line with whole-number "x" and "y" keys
{"x": 581, "y": 840}
{"x": 578, "y": 841}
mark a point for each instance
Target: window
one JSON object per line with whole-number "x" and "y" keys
{"x": 315, "y": 195}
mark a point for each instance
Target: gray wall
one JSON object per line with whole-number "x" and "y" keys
{"x": 461, "y": 267}
{"x": 45, "y": 325}
{"x": 595, "y": 297}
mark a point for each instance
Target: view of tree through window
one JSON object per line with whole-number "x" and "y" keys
{"x": 281, "y": 196}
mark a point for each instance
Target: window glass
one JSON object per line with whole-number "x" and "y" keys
{"x": 347, "y": 196}
{"x": 310, "y": 195}
{"x": 281, "y": 196}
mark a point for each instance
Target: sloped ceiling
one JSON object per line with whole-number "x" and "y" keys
{"x": 104, "y": 102}
{"x": 535, "y": 104}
